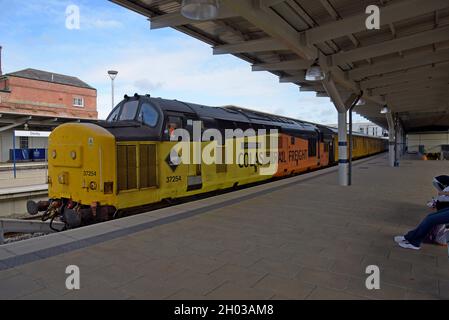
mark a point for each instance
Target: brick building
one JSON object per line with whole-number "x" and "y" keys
{"x": 37, "y": 100}
{"x": 34, "y": 92}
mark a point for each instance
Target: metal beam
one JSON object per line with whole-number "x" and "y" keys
{"x": 391, "y": 65}
{"x": 298, "y": 64}
{"x": 389, "y": 14}
{"x": 407, "y": 87}
{"x": 414, "y": 74}
{"x": 272, "y": 25}
{"x": 270, "y": 3}
{"x": 17, "y": 123}
{"x": 311, "y": 87}
{"x": 12, "y": 126}
{"x": 266, "y": 44}
{"x": 419, "y": 97}
{"x": 386, "y": 47}
{"x": 295, "y": 78}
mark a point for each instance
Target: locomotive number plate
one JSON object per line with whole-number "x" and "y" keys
{"x": 173, "y": 179}
{"x": 90, "y": 173}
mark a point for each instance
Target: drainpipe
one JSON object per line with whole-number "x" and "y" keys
{"x": 391, "y": 140}
{"x": 354, "y": 103}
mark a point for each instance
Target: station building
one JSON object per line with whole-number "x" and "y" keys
{"x": 433, "y": 144}
{"x": 368, "y": 128}
{"x": 38, "y": 101}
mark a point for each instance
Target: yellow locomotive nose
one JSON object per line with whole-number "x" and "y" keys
{"x": 81, "y": 162}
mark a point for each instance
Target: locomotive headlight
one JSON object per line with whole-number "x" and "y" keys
{"x": 73, "y": 155}
{"x": 93, "y": 185}
{"x": 53, "y": 154}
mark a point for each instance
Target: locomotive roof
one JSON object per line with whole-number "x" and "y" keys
{"x": 234, "y": 114}
{"x": 125, "y": 130}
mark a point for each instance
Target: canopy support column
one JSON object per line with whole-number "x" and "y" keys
{"x": 392, "y": 140}
{"x": 343, "y": 162}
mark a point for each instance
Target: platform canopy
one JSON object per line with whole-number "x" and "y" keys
{"x": 404, "y": 64}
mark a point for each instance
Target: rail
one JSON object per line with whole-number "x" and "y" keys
{"x": 26, "y": 226}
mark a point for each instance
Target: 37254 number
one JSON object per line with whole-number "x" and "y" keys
{"x": 172, "y": 179}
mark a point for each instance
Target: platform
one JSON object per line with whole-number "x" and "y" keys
{"x": 299, "y": 238}
{"x": 22, "y": 166}
{"x": 24, "y": 178}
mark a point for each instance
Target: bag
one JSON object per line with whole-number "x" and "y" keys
{"x": 441, "y": 182}
{"x": 438, "y": 235}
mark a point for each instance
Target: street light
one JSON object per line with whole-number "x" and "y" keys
{"x": 199, "y": 9}
{"x": 112, "y": 74}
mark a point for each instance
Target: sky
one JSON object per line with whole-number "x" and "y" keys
{"x": 164, "y": 63}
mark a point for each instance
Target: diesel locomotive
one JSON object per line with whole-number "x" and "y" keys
{"x": 98, "y": 170}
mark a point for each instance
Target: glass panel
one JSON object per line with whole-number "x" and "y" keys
{"x": 129, "y": 110}
{"x": 148, "y": 115}
{"x": 173, "y": 123}
{"x": 114, "y": 115}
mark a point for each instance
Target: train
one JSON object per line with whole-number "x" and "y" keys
{"x": 97, "y": 171}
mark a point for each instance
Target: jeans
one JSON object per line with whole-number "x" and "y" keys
{"x": 416, "y": 236}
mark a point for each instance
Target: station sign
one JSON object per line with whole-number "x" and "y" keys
{"x": 28, "y": 133}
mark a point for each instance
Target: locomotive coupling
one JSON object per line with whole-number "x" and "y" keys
{"x": 75, "y": 217}
{"x": 34, "y": 208}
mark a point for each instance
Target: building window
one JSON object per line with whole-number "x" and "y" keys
{"x": 24, "y": 143}
{"x": 78, "y": 102}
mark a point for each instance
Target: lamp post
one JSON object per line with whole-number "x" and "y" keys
{"x": 112, "y": 74}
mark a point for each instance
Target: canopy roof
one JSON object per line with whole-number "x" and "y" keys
{"x": 405, "y": 64}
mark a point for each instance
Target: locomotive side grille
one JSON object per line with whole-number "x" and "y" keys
{"x": 148, "y": 177}
{"x": 121, "y": 168}
{"x": 132, "y": 167}
{"x": 126, "y": 167}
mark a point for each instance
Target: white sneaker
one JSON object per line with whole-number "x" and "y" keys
{"x": 407, "y": 245}
{"x": 399, "y": 239}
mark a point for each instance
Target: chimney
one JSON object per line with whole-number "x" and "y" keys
{"x": 1, "y": 73}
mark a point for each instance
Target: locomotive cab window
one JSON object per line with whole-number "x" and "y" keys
{"x": 148, "y": 115}
{"x": 173, "y": 123}
{"x": 114, "y": 115}
{"x": 129, "y": 110}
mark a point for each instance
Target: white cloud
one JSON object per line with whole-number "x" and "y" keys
{"x": 101, "y": 23}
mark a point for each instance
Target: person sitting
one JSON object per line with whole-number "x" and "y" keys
{"x": 414, "y": 238}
